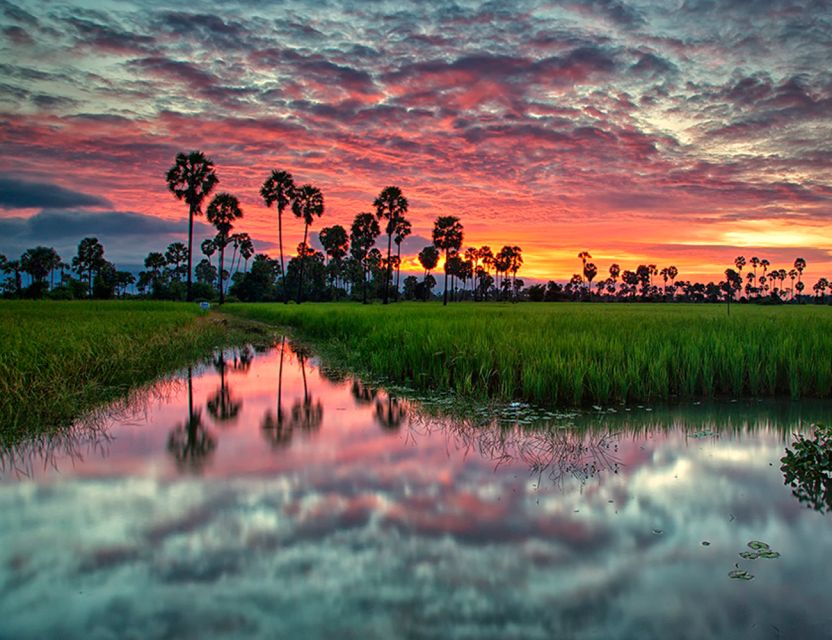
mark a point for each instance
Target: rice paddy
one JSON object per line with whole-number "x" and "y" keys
{"x": 62, "y": 358}
{"x": 572, "y": 355}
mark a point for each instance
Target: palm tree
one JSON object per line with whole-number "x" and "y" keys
{"x": 38, "y": 262}
{"x": 615, "y": 271}
{"x": 89, "y": 259}
{"x": 279, "y": 188}
{"x": 363, "y": 234}
{"x": 192, "y": 178}
{"x": 583, "y": 256}
{"x": 799, "y": 265}
{"x": 336, "y": 244}
{"x": 390, "y": 205}
{"x": 447, "y": 236}
{"x": 246, "y": 250}
{"x": 402, "y": 230}
{"x": 792, "y": 274}
{"x": 429, "y": 258}
{"x": 307, "y": 203}
{"x": 208, "y": 248}
{"x": 221, "y": 213}
{"x": 590, "y": 271}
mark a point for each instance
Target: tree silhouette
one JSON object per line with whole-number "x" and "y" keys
{"x": 447, "y": 236}
{"x": 307, "y": 204}
{"x": 336, "y": 244}
{"x": 402, "y": 229}
{"x": 279, "y": 189}
{"x": 221, "y": 213}
{"x": 590, "y": 271}
{"x": 208, "y": 248}
{"x": 191, "y": 178}
{"x": 391, "y": 206}
{"x": 390, "y": 413}
{"x": 38, "y": 262}
{"x": 429, "y": 258}
{"x": 363, "y": 234}
{"x": 90, "y": 258}
{"x": 799, "y": 265}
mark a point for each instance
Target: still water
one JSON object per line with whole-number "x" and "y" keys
{"x": 261, "y": 496}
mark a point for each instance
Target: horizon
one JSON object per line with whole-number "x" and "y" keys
{"x": 643, "y": 134}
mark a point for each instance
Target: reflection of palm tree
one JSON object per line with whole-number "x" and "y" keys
{"x": 190, "y": 443}
{"x": 274, "y": 425}
{"x": 390, "y": 414}
{"x": 362, "y": 393}
{"x": 222, "y": 406}
{"x": 308, "y": 414}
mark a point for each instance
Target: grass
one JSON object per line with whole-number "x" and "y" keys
{"x": 60, "y": 359}
{"x": 571, "y": 354}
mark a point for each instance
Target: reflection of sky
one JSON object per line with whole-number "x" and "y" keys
{"x": 352, "y": 530}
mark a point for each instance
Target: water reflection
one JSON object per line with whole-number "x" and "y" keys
{"x": 337, "y": 508}
{"x": 190, "y": 442}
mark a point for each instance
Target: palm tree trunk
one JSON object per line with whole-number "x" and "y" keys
{"x": 302, "y": 262}
{"x": 389, "y": 270}
{"x": 282, "y": 265}
{"x": 222, "y": 258}
{"x": 398, "y": 268}
{"x": 190, "y": 249}
{"x": 364, "y": 281}
{"x": 445, "y": 296}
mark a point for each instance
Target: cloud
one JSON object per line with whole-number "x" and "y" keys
{"x": 18, "y": 194}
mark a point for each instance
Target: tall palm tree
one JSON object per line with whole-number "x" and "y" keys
{"x": 192, "y": 178}
{"x": 390, "y": 205}
{"x": 279, "y": 189}
{"x": 799, "y": 265}
{"x": 221, "y": 213}
{"x": 447, "y": 236}
{"x": 208, "y": 248}
{"x": 583, "y": 256}
{"x": 590, "y": 271}
{"x": 307, "y": 204}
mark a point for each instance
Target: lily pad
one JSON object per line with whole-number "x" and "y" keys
{"x": 749, "y": 555}
{"x": 769, "y": 554}
{"x": 740, "y": 574}
{"x": 758, "y": 546}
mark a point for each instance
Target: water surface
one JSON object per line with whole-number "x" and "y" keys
{"x": 206, "y": 507}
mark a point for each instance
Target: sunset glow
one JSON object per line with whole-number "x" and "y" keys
{"x": 682, "y": 133}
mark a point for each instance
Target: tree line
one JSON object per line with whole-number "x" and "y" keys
{"x": 351, "y": 266}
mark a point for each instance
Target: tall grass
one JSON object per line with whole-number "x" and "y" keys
{"x": 569, "y": 354}
{"x": 60, "y": 358}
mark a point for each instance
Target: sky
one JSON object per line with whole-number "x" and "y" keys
{"x": 681, "y": 132}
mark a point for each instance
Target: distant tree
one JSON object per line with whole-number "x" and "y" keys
{"x": 336, "y": 244}
{"x": 208, "y": 248}
{"x": 206, "y": 273}
{"x": 390, "y": 205}
{"x": 279, "y": 189}
{"x": 38, "y": 262}
{"x": 447, "y": 236}
{"x": 363, "y": 234}
{"x": 222, "y": 212}
{"x": 410, "y": 284}
{"x": 590, "y": 271}
{"x": 246, "y": 249}
{"x": 176, "y": 257}
{"x": 307, "y": 204}
{"x": 429, "y": 258}
{"x": 402, "y": 229}
{"x": 123, "y": 280}
{"x": 89, "y": 260}
{"x": 191, "y": 178}
{"x": 799, "y": 265}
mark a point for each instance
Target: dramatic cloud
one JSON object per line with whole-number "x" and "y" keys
{"x": 16, "y": 194}
{"x": 589, "y": 124}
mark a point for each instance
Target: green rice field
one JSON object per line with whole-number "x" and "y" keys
{"x": 60, "y": 358}
{"x": 570, "y": 354}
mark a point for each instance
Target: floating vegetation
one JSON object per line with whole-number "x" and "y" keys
{"x": 759, "y": 550}
{"x": 740, "y": 574}
{"x": 807, "y": 469}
